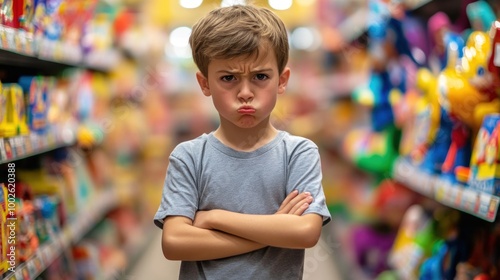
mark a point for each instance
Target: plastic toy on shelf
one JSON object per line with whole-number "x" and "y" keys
{"x": 480, "y": 15}
{"x": 37, "y": 92}
{"x": 27, "y": 240}
{"x": 438, "y": 25}
{"x": 12, "y": 109}
{"x": 484, "y": 167}
{"x": 474, "y": 67}
{"x": 469, "y": 93}
{"x": 374, "y": 149}
{"x": 436, "y": 242}
{"x": 372, "y": 242}
{"x": 413, "y": 242}
{"x": 448, "y": 247}
{"x": 453, "y": 92}
{"x": 427, "y": 137}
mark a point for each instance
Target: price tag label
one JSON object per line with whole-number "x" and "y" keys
{"x": 470, "y": 199}
{"x": 31, "y": 268}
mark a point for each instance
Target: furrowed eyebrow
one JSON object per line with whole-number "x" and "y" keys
{"x": 262, "y": 70}
{"x": 228, "y": 72}
{"x": 239, "y": 72}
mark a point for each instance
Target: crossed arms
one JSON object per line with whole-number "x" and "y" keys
{"x": 217, "y": 234}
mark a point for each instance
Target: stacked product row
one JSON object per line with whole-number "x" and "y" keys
{"x": 49, "y": 203}
{"x": 77, "y": 31}
{"x": 66, "y": 214}
{"x": 41, "y": 112}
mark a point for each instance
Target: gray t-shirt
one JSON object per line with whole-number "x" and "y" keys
{"x": 204, "y": 174}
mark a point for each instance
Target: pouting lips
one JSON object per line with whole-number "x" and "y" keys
{"x": 246, "y": 110}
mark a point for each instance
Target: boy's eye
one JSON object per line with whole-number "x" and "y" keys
{"x": 261, "y": 76}
{"x": 227, "y": 78}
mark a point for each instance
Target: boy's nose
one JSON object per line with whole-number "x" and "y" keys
{"x": 245, "y": 94}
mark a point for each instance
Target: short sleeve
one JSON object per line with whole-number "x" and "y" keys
{"x": 180, "y": 196}
{"x": 304, "y": 175}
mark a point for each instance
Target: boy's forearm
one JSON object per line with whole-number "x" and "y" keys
{"x": 278, "y": 230}
{"x": 189, "y": 243}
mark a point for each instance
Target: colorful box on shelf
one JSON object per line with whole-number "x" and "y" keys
{"x": 12, "y": 111}
{"x": 37, "y": 90}
{"x": 485, "y": 159}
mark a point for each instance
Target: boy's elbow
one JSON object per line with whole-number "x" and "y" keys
{"x": 310, "y": 237}
{"x": 310, "y": 233}
{"x": 169, "y": 249}
{"x": 169, "y": 254}
{"x": 310, "y": 242}
{"x": 173, "y": 241}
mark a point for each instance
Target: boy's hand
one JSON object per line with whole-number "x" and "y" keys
{"x": 295, "y": 203}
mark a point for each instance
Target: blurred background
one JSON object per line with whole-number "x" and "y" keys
{"x": 401, "y": 97}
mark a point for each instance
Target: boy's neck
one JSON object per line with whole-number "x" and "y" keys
{"x": 245, "y": 139}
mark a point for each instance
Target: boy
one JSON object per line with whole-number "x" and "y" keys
{"x": 244, "y": 201}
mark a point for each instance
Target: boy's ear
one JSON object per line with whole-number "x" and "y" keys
{"x": 283, "y": 82}
{"x": 203, "y": 82}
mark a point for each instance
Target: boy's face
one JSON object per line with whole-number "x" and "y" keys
{"x": 244, "y": 89}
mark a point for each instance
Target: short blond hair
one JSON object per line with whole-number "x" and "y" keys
{"x": 238, "y": 30}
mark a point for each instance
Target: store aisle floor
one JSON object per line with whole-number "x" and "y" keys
{"x": 319, "y": 263}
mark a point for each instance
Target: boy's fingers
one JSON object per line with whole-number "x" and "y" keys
{"x": 294, "y": 201}
{"x": 298, "y": 206}
{"x": 287, "y": 200}
{"x": 301, "y": 209}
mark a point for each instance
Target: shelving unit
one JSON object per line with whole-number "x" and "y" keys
{"x": 21, "y": 54}
{"x": 50, "y": 55}
{"x": 460, "y": 197}
{"x": 32, "y": 144}
{"x": 444, "y": 211}
{"x": 78, "y": 227}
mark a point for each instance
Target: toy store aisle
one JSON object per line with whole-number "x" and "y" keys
{"x": 319, "y": 263}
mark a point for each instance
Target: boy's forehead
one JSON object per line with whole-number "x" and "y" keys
{"x": 265, "y": 57}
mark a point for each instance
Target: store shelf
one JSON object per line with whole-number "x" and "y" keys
{"x": 479, "y": 204}
{"x": 19, "y": 49}
{"x": 24, "y": 146}
{"x": 76, "y": 229}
